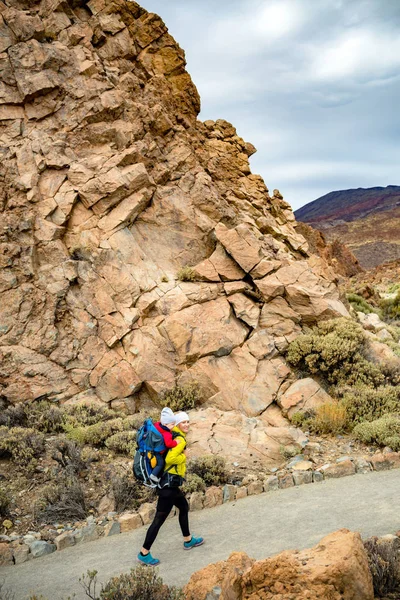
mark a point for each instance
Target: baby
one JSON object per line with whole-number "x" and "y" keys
{"x": 164, "y": 426}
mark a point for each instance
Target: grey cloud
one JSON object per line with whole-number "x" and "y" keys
{"x": 314, "y": 85}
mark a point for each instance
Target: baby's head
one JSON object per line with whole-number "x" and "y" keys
{"x": 167, "y": 418}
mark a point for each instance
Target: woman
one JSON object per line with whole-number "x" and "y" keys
{"x": 170, "y": 494}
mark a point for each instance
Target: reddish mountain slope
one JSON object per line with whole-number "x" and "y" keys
{"x": 366, "y": 220}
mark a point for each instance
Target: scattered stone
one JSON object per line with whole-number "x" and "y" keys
{"x": 229, "y": 492}
{"x": 341, "y": 469}
{"x": 302, "y": 477}
{"x": 86, "y": 534}
{"x": 64, "y": 540}
{"x": 40, "y": 548}
{"x": 6, "y": 555}
{"x": 286, "y": 481}
{"x": 271, "y": 483}
{"x": 241, "y": 492}
{"x": 147, "y": 512}
{"x": 113, "y": 528}
{"x": 130, "y": 521}
{"x": 196, "y": 501}
{"x": 362, "y": 465}
{"x": 21, "y": 553}
{"x": 381, "y": 462}
{"x": 317, "y": 477}
{"x": 213, "y": 497}
{"x": 256, "y": 487}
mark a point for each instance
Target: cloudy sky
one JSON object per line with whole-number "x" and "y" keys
{"x": 313, "y": 84}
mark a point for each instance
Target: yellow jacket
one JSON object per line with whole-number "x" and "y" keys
{"x": 175, "y": 460}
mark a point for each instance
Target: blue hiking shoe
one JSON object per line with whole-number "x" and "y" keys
{"x": 193, "y": 543}
{"x": 147, "y": 560}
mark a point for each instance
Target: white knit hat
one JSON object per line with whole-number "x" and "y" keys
{"x": 180, "y": 417}
{"x": 167, "y": 416}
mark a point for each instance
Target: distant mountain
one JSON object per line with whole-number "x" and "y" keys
{"x": 366, "y": 220}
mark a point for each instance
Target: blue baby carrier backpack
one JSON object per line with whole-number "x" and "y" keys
{"x": 149, "y": 442}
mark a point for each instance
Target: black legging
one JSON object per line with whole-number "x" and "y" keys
{"x": 167, "y": 498}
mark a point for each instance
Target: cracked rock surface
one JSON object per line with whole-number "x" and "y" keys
{"x": 109, "y": 185}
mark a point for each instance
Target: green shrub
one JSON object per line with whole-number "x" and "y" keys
{"x": 384, "y": 564}
{"x": 391, "y": 308}
{"x": 334, "y": 349}
{"x": 210, "y": 468}
{"x": 193, "y": 483}
{"x": 122, "y": 442}
{"x": 367, "y": 404}
{"x": 140, "y": 584}
{"x": 5, "y": 502}
{"x": 182, "y": 397}
{"x": 360, "y": 304}
{"x": 186, "y": 273}
{"x": 288, "y": 452}
{"x": 94, "y": 435}
{"x": 44, "y": 416}
{"x": 64, "y": 501}
{"x": 21, "y": 444}
{"x": 383, "y": 432}
{"x": 88, "y": 414}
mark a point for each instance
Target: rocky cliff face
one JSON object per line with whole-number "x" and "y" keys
{"x": 109, "y": 186}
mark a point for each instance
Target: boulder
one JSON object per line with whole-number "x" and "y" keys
{"x": 336, "y": 568}
{"x": 304, "y": 394}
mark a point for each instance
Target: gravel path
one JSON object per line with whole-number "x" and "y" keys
{"x": 259, "y": 525}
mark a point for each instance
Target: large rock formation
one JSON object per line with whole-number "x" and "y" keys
{"x": 109, "y": 187}
{"x": 335, "y": 569}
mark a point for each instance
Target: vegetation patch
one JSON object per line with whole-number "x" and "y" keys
{"x": 22, "y": 445}
{"x": 182, "y": 397}
{"x": 63, "y": 501}
{"x": 140, "y": 584}
{"x": 367, "y": 404}
{"x": 360, "y": 304}
{"x": 186, "y": 273}
{"x": 384, "y": 432}
{"x": 122, "y": 442}
{"x": 211, "y": 469}
{"x": 335, "y": 349}
{"x": 384, "y": 563}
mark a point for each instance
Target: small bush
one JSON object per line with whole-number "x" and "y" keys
{"x": 96, "y": 434}
{"x": 13, "y": 416}
{"x": 391, "y": 308}
{"x": 140, "y": 584}
{"x": 335, "y": 349}
{"x": 384, "y": 432}
{"x": 123, "y": 442}
{"x": 367, "y": 404}
{"x": 193, "y": 483}
{"x": 186, "y": 273}
{"x": 210, "y": 468}
{"x": 330, "y": 417}
{"x": 384, "y": 563}
{"x": 127, "y": 492}
{"x": 44, "y": 416}
{"x": 88, "y": 414}
{"x": 5, "y": 501}
{"x": 69, "y": 456}
{"x": 288, "y": 452}
{"x": 62, "y": 502}
{"x": 182, "y": 397}
{"x": 21, "y": 444}
{"x": 360, "y": 304}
